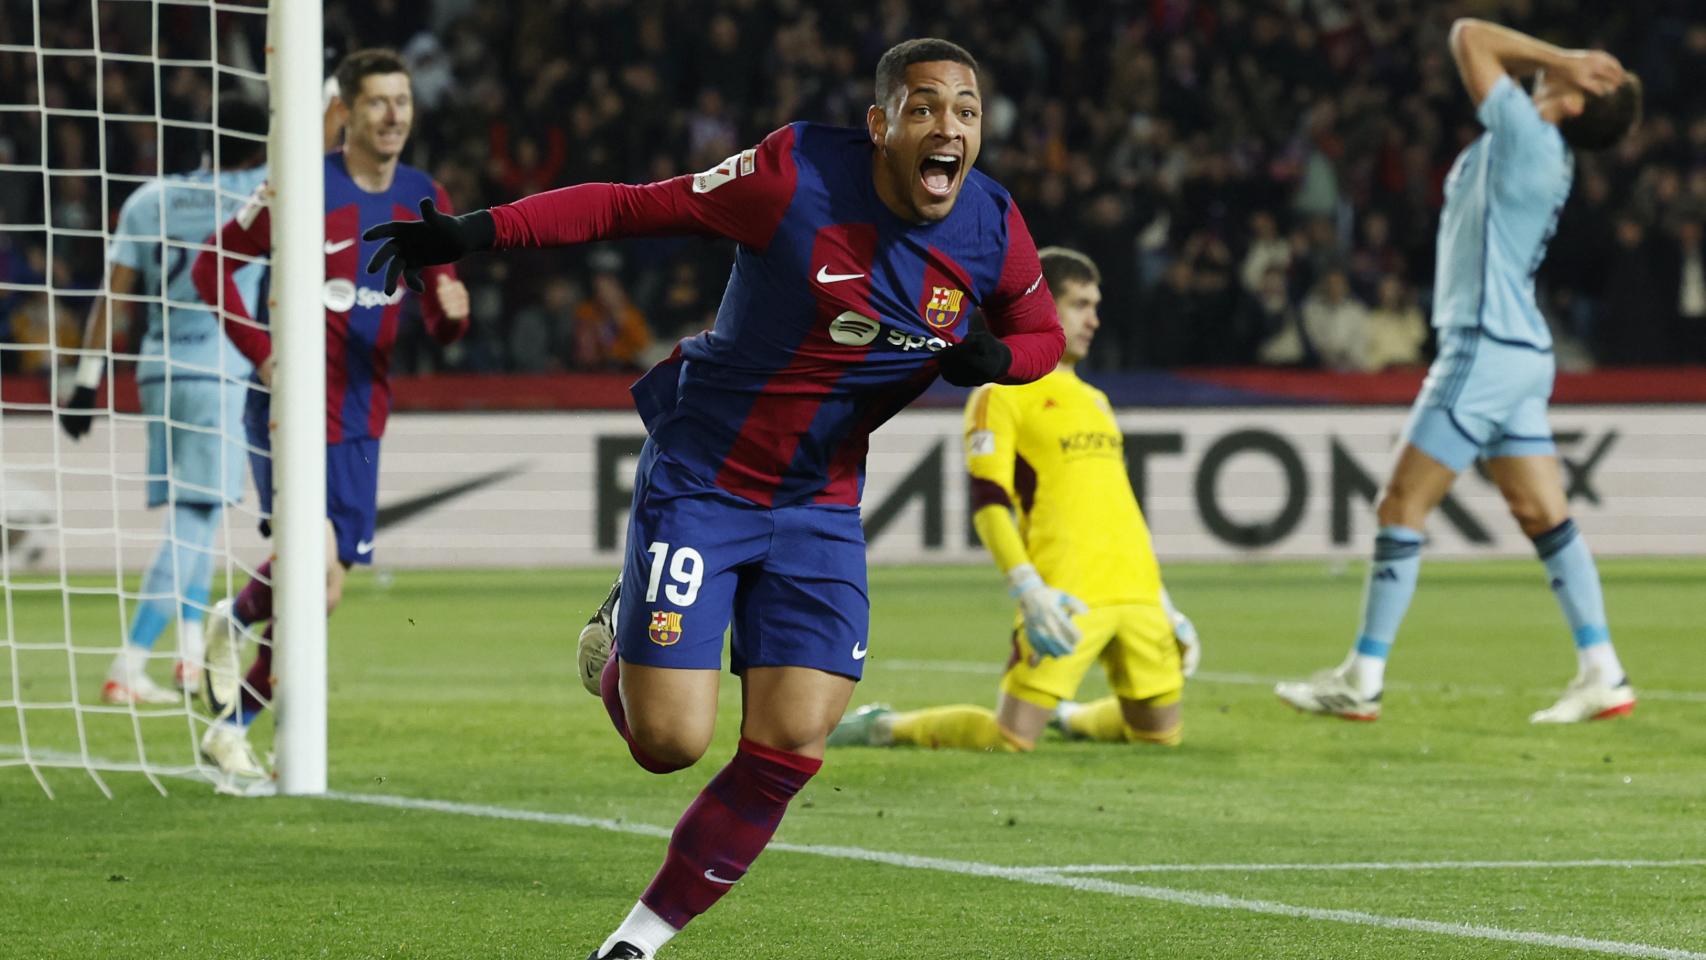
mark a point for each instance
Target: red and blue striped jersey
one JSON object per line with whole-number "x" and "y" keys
{"x": 361, "y": 321}
{"x": 832, "y": 316}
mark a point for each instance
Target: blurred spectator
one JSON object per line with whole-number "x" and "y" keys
{"x": 1396, "y": 329}
{"x": 1267, "y": 251}
{"x": 610, "y": 332}
{"x": 1336, "y": 323}
{"x": 540, "y": 335}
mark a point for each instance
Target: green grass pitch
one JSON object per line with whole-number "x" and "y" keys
{"x": 460, "y": 687}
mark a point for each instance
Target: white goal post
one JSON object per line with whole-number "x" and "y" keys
{"x": 105, "y": 102}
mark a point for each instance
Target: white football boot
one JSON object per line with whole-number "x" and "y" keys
{"x": 598, "y": 639}
{"x": 1589, "y": 700}
{"x": 222, "y": 679}
{"x": 138, "y": 688}
{"x": 227, "y": 747}
{"x": 1329, "y": 693}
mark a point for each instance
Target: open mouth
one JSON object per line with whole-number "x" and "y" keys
{"x": 938, "y": 172}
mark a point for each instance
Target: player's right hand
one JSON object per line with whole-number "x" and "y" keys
{"x": 77, "y": 424}
{"x": 412, "y": 245}
{"x": 1595, "y": 71}
{"x": 1048, "y": 612}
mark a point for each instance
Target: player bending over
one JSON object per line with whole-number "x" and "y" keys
{"x": 1077, "y": 558}
{"x": 1486, "y": 395}
{"x": 191, "y": 383}
{"x": 366, "y": 184}
{"x": 861, "y": 255}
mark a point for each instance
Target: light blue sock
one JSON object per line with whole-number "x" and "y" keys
{"x": 1386, "y": 598}
{"x": 181, "y": 558}
{"x": 1575, "y": 582}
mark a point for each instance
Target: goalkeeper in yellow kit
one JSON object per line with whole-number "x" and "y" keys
{"x": 1054, "y": 505}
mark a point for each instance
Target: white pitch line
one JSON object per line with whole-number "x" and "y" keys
{"x": 991, "y": 668}
{"x": 1084, "y": 884}
{"x": 1361, "y": 867}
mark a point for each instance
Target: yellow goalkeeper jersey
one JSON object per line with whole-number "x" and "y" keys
{"x": 1052, "y": 451}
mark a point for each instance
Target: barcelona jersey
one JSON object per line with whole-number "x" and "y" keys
{"x": 833, "y": 314}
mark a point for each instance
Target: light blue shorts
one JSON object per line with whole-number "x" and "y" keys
{"x": 1483, "y": 399}
{"x": 201, "y": 449}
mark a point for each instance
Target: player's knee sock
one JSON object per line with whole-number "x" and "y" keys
{"x": 1575, "y": 582}
{"x": 257, "y": 683}
{"x": 719, "y": 837}
{"x": 254, "y": 602}
{"x": 1386, "y": 598}
{"x": 610, "y": 691}
{"x": 189, "y": 531}
{"x": 191, "y": 644}
{"x": 963, "y": 727}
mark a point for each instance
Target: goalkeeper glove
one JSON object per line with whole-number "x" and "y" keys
{"x": 90, "y": 370}
{"x": 974, "y": 361}
{"x": 435, "y": 238}
{"x": 1048, "y": 612}
{"x": 1185, "y": 634}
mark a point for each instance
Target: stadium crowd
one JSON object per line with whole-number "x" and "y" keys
{"x": 1260, "y": 180}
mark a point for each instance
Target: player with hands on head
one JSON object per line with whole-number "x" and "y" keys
{"x": 861, "y": 255}
{"x": 1054, "y": 504}
{"x": 1485, "y": 397}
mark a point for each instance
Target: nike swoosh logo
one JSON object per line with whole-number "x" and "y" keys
{"x": 333, "y": 247}
{"x": 364, "y": 547}
{"x": 859, "y": 650}
{"x": 712, "y": 876}
{"x": 824, "y": 276}
{"x": 395, "y": 513}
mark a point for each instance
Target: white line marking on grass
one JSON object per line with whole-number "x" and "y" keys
{"x": 992, "y": 668}
{"x": 1084, "y": 884}
{"x": 1359, "y": 867}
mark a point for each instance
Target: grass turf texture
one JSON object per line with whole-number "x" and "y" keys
{"x": 461, "y": 687}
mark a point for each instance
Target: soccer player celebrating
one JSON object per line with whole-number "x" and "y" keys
{"x": 366, "y": 184}
{"x": 191, "y": 383}
{"x": 1078, "y": 560}
{"x": 1486, "y": 395}
{"x": 861, "y": 253}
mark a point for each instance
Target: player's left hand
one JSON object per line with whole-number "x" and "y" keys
{"x": 1185, "y": 635}
{"x": 452, "y": 298}
{"x": 412, "y": 245}
{"x": 1594, "y": 71}
{"x": 978, "y": 359}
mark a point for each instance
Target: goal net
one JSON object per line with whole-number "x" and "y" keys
{"x": 130, "y": 130}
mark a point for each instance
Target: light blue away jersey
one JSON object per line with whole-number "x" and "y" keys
{"x": 1502, "y": 201}
{"x": 192, "y": 207}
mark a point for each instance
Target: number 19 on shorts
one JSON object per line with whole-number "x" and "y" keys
{"x": 686, "y": 574}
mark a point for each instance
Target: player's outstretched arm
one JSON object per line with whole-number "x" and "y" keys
{"x": 91, "y": 369}
{"x": 1486, "y": 51}
{"x": 743, "y": 198}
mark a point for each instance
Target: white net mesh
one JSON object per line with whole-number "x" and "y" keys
{"x": 116, "y": 168}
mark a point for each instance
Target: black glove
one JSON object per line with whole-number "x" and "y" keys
{"x": 431, "y": 240}
{"x": 77, "y": 424}
{"x": 976, "y": 360}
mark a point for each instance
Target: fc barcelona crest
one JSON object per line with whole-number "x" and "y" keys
{"x": 666, "y": 627}
{"x": 943, "y": 310}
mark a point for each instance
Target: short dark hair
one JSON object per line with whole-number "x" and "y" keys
{"x": 364, "y": 63}
{"x": 238, "y": 114}
{"x": 1062, "y": 266}
{"x": 1605, "y": 119}
{"x": 891, "y": 69}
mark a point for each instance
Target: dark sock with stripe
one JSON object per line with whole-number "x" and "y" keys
{"x": 254, "y": 601}
{"x": 725, "y": 830}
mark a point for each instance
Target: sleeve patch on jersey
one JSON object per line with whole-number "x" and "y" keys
{"x": 980, "y": 443}
{"x": 1033, "y": 287}
{"x": 741, "y": 164}
{"x": 252, "y": 207}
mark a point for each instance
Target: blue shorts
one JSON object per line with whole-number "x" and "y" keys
{"x": 1483, "y": 399}
{"x": 791, "y": 580}
{"x": 352, "y": 484}
{"x": 198, "y": 458}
